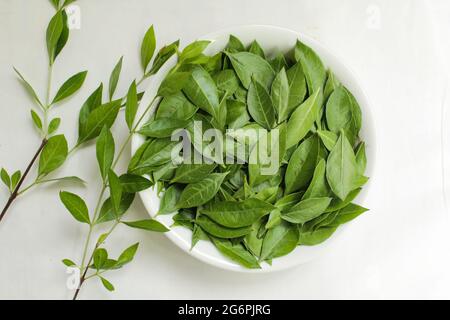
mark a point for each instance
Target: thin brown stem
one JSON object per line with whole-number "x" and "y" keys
{"x": 15, "y": 193}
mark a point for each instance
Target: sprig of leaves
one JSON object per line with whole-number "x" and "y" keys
{"x": 53, "y": 150}
{"x": 95, "y": 121}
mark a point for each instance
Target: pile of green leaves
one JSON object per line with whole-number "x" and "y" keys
{"x": 248, "y": 216}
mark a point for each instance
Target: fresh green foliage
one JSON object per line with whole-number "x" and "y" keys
{"x": 148, "y": 47}
{"x": 114, "y": 78}
{"x": 53, "y": 155}
{"x": 105, "y": 152}
{"x": 131, "y": 105}
{"x": 96, "y": 118}
{"x": 53, "y": 150}
{"x": 76, "y": 206}
{"x": 252, "y": 217}
{"x": 72, "y": 85}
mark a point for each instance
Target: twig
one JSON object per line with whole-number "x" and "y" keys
{"x": 15, "y": 193}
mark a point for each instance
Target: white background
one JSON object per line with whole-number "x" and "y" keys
{"x": 400, "y": 249}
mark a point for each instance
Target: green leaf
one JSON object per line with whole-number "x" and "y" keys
{"x": 29, "y": 88}
{"x": 255, "y": 48}
{"x": 64, "y": 37}
{"x": 73, "y": 179}
{"x": 297, "y": 89}
{"x": 107, "y": 213}
{"x": 347, "y": 214}
{"x": 202, "y": 91}
{"x": 162, "y": 127}
{"x": 36, "y": 120}
{"x": 275, "y": 148}
{"x": 114, "y": 78}
{"x": 214, "y": 63}
{"x": 127, "y": 255}
{"x": 132, "y": 183}
{"x": 193, "y": 50}
{"x": 156, "y": 153}
{"x": 148, "y": 47}
{"x": 76, "y": 206}
{"x": 237, "y": 115}
{"x": 102, "y": 116}
{"x": 339, "y": 113}
{"x": 302, "y": 120}
{"x": 226, "y": 81}
{"x": 288, "y": 201}
{"x": 176, "y": 106}
{"x": 53, "y": 155}
{"x": 219, "y": 231}
{"x": 356, "y": 113}
{"x": 279, "y": 241}
{"x": 55, "y": 3}
{"x": 115, "y": 190}
{"x": 92, "y": 103}
{"x": 280, "y": 95}
{"x": 318, "y": 187}
{"x": 253, "y": 241}
{"x": 131, "y": 105}
{"x": 100, "y": 257}
{"x": 236, "y": 252}
{"x": 328, "y": 138}
{"x": 69, "y": 263}
{"x": 5, "y": 178}
{"x": 148, "y": 224}
{"x": 301, "y": 166}
{"x": 361, "y": 159}
{"x": 234, "y": 45}
{"x": 260, "y": 105}
{"x": 341, "y": 168}
{"x": 70, "y": 87}
{"x": 190, "y": 173}
{"x": 53, "y": 125}
{"x": 169, "y": 200}
{"x": 105, "y": 149}
{"x": 197, "y": 235}
{"x": 338, "y": 204}
{"x": 108, "y": 285}
{"x": 163, "y": 56}
{"x": 279, "y": 62}
{"x": 331, "y": 85}
{"x": 173, "y": 83}
{"x": 315, "y": 237}
{"x": 54, "y": 30}
{"x": 249, "y": 66}
{"x": 274, "y": 219}
{"x": 15, "y": 178}
{"x": 237, "y": 214}
{"x": 198, "y": 193}
{"x": 306, "y": 210}
{"x": 312, "y": 67}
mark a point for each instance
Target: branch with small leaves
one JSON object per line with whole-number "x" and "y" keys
{"x": 95, "y": 121}
{"x": 53, "y": 150}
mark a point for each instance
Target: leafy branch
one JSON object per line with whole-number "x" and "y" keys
{"x": 52, "y": 151}
{"x": 95, "y": 121}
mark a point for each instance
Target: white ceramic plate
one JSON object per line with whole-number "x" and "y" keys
{"x": 272, "y": 40}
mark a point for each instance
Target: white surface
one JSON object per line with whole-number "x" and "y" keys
{"x": 400, "y": 249}
{"x": 273, "y": 40}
